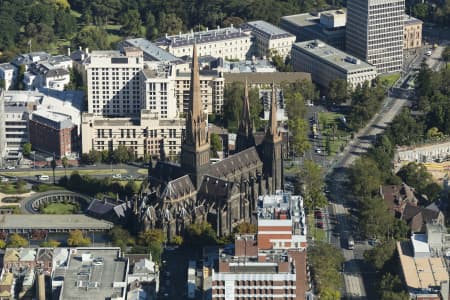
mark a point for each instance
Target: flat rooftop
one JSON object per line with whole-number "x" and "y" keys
{"x": 151, "y": 50}
{"x": 421, "y": 273}
{"x": 200, "y": 37}
{"x": 266, "y": 29}
{"x": 266, "y": 77}
{"x": 331, "y": 55}
{"x": 409, "y": 20}
{"x": 52, "y": 222}
{"x": 86, "y": 280}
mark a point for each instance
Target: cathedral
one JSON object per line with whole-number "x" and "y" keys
{"x": 224, "y": 193}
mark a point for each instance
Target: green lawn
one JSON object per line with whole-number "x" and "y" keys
{"x": 43, "y": 187}
{"x": 331, "y": 126}
{"x": 389, "y": 79}
{"x": 10, "y": 188}
{"x": 313, "y": 232}
{"x": 60, "y": 209}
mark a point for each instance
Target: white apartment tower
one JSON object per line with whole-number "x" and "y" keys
{"x": 375, "y": 32}
{"x": 114, "y": 82}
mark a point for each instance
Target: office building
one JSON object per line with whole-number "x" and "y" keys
{"x": 211, "y": 91}
{"x": 423, "y": 269}
{"x": 326, "y": 64}
{"x": 272, "y": 263}
{"x": 53, "y": 133}
{"x": 412, "y": 37}
{"x": 375, "y": 33}
{"x": 152, "y": 53}
{"x": 268, "y": 39}
{"x": 327, "y": 26}
{"x": 227, "y": 43}
{"x": 64, "y": 106}
{"x": 114, "y": 82}
{"x": 8, "y": 75}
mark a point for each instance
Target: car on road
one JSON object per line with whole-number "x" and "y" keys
{"x": 428, "y": 53}
{"x": 350, "y": 243}
{"x": 128, "y": 177}
{"x": 10, "y": 167}
{"x": 117, "y": 176}
{"x": 43, "y": 177}
{"x": 318, "y": 151}
{"x": 318, "y": 214}
{"x": 319, "y": 224}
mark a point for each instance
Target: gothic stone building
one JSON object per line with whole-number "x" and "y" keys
{"x": 224, "y": 193}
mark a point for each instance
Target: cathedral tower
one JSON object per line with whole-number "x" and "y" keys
{"x": 245, "y": 138}
{"x": 273, "y": 168}
{"x": 195, "y": 148}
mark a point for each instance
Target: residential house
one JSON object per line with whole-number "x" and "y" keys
{"x": 44, "y": 259}
{"x": 397, "y": 196}
{"x": 417, "y": 217}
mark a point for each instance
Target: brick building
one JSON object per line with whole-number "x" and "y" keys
{"x": 272, "y": 263}
{"x": 51, "y": 132}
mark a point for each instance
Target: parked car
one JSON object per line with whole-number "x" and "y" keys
{"x": 318, "y": 214}
{"x": 117, "y": 176}
{"x": 319, "y": 224}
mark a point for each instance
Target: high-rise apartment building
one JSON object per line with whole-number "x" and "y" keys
{"x": 114, "y": 82}
{"x": 375, "y": 32}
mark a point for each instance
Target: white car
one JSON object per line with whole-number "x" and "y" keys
{"x": 3, "y": 179}
{"x": 117, "y": 176}
{"x": 428, "y": 53}
{"x": 318, "y": 151}
{"x": 10, "y": 167}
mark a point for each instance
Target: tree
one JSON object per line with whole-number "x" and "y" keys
{"x": 26, "y": 149}
{"x": 177, "y": 240}
{"x": 94, "y": 38}
{"x": 2, "y": 244}
{"x": 245, "y": 228}
{"x": 216, "y": 144}
{"x": 131, "y": 23}
{"x": 50, "y": 244}
{"x": 131, "y": 188}
{"x": 120, "y": 154}
{"x": 338, "y": 91}
{"x": 310, "y": 178}
{"x": 17, "y": 241}
{"x": 295, "y": 105}
{"x": 417, "y": 176}
{"x": 120, "y": 237}
{"x": 381, "y": 254}
{"x": 365, "y": 177}
{"x": 65, "y": 163}
{"x": 76, "y": 238}
{"x": 170, "y": 23}
{"x": 326, "y": 262}
{"x": 446, "y": 56}
{"x": 391, "y": 288}
{"x": 200, "y": 234}
{"x": 299, "y": 131}
{"x": 53, "y": 166}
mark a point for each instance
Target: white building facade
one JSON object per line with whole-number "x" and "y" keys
{"x": 374, "y": 32}
{"x": 269, "y": 39}
{"x": 326, "y": 64}
{"x": 8, "y": 74}
{"x": 227, "y": 43}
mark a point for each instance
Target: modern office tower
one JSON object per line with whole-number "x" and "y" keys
{"x": 375, "y": 32}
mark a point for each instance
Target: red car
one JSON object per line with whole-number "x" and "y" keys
{"x": 319, "y": 224}
{"x": 318, "y": 214}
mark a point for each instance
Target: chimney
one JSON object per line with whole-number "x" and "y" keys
{"x": 167, "y": 35}
{"x": 231, "y": 25}
{"x": 86, "y": 50}
{"x": 79, "y": 48}
{"x": 68, "y": 51}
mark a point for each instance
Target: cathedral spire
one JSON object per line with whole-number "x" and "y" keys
{"x": 246, "y": 121}
{"x": 272, "y": 130}
{"x": 196, "y": 101}
{"x": 195, "y": 148}
{"x": 245, "y": 138}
